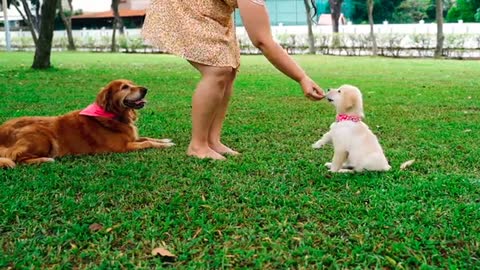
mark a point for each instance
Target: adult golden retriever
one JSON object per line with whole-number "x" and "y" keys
{"x": 108, "y": 125}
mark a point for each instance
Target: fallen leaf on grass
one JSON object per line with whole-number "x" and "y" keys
{"x": 162, "y": 252}
{"x": 407, "y": 164}
{"x": 391, "y": 260}
{"x": 95, "y": 227}
{"x": 112, "y": 228}
{"x": 467, "y": 130}
{"x": 199, "y": 230}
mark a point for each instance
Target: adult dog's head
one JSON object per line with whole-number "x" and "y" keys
{"x": 347, "y": 100}
{"x": 122, "y": 97}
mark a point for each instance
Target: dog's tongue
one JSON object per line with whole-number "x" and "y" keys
{"x": 141, "y": 101}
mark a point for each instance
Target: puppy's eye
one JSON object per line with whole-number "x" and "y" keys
{"x": 125, "y": 87}
{"x": 339, "y": 91}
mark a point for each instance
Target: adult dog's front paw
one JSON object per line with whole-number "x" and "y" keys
{"x": 157, "y": 144}
{"x": 168, "y": 144}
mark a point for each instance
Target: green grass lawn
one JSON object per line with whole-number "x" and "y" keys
{"x": 275, "y": 206}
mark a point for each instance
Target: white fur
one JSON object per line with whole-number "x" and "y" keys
{"x": 356, "y": 148}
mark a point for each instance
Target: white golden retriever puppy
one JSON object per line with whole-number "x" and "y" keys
{"x": 356, "y": 148}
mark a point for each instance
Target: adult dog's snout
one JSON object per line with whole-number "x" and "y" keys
{"x": 143, "y": 91}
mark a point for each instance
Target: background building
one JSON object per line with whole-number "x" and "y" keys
{"x": 292, "y": 12}
{"x": 282, "y": 12}
{"x": 134, "y": 4}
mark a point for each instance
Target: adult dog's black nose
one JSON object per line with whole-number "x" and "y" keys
{"x": 143, "y": 90}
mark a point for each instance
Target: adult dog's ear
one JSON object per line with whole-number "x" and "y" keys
{"x": 104, "y": 98}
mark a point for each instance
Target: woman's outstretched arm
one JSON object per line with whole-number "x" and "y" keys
{"x": 257, "y": 23}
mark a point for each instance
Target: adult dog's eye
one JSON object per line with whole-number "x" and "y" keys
{"x": 125, "y": 87}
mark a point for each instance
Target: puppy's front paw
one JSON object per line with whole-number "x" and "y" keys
{"x": 317, "y": 145}
{"x": 328, "y": 165}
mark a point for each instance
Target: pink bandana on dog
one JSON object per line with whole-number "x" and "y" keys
{"x": 97, "y": 111}
{"x": 345, "y": 117}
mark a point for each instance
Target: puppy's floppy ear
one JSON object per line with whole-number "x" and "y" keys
{"x": 104, "y": 98}
{"x": 348, "y": 101}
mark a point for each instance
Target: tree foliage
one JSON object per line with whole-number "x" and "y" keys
{"x": 411, "y": 11}
{"x": 466, "y": 10}
{"x": 395, "y": 11}
{"x": 383, "y": 10}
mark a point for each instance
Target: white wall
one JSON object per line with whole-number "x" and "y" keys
{"x": 428, "y": 28}
{"x": 301, "y": 32}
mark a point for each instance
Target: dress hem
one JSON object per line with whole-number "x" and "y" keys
{"x": 181, "y": 55}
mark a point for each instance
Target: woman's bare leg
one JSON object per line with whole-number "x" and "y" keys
{"x": 217, "y": 124}
{"x": 206, "y": 100}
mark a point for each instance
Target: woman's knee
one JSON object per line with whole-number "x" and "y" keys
{"x": 220, "y": 76}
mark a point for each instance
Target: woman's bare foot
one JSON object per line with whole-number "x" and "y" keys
{"x": 203, "y": 153}
{"x": 223, "y": 149}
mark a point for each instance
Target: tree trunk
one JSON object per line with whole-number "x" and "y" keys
{"x": 67, "y": 21}
{"x": 28, "y": 20}
{"x": 38, "y": 16}
{"x": 335, "y": 10}
{"x": 117, "y": 24}
{"x": 114, "y": 40}
{"x": 370, "y": 5}
{"x": 440, "y": 36}
{"x": 311, "y": 38}
{"x": 32, "y": 19}
{"x": 44, "y": 46}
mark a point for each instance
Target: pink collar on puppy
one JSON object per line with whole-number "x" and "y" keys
{"x": 345, "y": 117}
{"x": 97, "y": 111}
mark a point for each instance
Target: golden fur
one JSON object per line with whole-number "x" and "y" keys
{"x": 41, "y": 139}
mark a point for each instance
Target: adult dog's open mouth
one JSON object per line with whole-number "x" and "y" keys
{"x": 135, "y": 104}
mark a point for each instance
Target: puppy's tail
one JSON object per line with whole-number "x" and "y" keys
{"x": 407, "y": 164}
{"x": 6, "y": 163}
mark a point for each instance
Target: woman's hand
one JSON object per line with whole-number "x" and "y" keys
{"x": 311, "y": 90}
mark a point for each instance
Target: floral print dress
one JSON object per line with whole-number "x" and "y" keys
{"x": 202, "y": 31}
